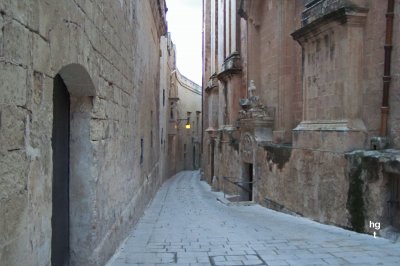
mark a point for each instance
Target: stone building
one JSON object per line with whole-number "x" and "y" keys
{"x": 185, "y": 124}
{"x": 82, "y": 126}
{"x": 168, "y": 65}
{"x": 302, "y": 106}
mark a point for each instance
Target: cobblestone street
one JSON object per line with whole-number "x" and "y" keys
{"x": 186, "y": 225}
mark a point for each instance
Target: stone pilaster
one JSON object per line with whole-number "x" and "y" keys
{"x": 332, "y": 38}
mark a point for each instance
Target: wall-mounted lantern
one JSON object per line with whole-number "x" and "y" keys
{"x": 187, "y": 125}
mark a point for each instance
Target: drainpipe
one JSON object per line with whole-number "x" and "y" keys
{"x": 387, "y": 65}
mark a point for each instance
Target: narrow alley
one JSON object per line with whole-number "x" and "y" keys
{"x": 186, "y": 225}
{"x": 199, "y": 132}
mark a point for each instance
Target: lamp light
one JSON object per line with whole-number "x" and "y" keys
{"x": 187, "y": 125}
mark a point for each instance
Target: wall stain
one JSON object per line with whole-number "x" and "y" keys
{"x": 278, "y": 154}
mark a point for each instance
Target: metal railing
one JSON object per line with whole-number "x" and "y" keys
{"x": 241, "y": 186}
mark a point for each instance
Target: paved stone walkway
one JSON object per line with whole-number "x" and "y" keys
{"x": 186, "y": 225}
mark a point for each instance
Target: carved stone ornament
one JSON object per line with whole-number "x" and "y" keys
{"x": 246, "y": 148}
{"x": 252, "y": 108}
{"x": 255, "y": 117}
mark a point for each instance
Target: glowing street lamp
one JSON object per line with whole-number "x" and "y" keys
{"x": 187, "y": 125}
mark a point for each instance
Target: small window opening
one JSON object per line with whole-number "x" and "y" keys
{"x": 141, "y": 151}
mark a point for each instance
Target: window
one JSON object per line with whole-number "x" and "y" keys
{"x": 141, "y": 151}
{"x": 151, "y": 131}
{"x": 163, "y": 97}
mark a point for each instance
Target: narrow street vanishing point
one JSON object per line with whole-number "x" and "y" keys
{"x": 186, "y": 225}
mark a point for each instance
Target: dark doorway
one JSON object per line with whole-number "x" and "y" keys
{"x": 247, "y": 177}
{"x": 212, "y": 159}
{"x": 394, "y": 201}
{"x": 194, "y": 157}
{"x": 60, "y": 145}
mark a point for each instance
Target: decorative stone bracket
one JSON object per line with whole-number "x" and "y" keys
{"x": 212, "y": 83}
{"x": 232, "y": 65}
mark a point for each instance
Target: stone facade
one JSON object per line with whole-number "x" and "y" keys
{"x": 292, "y": 106}
{"x": 184, "y": 110}
{"x": 107, "y": 55}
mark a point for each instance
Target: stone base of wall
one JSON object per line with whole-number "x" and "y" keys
{"x": 374, "y": 186}
{"x": 338, "y": 135}
{"x": 349, "y": 190}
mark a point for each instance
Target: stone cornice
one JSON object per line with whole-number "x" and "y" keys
{"x": 316, "y": 9}
{"x": 173, "y": 99}
{"x": 349, "y": 14}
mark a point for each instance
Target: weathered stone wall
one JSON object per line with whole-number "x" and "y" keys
{"x": 302, "y": 182}
{"x": 373, "y": 189}
{"x": 115, "y": 46}
{"x": 226, "y": 151}
{"x": 326, "y": 91}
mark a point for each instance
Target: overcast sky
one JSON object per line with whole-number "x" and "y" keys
{"x": 185, "y": 24}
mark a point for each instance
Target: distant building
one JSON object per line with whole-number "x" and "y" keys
{"x": 185, "y": 124}
{"x": 301, "y": 109}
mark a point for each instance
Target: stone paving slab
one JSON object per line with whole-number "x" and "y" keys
{"x": 186, "y": 225}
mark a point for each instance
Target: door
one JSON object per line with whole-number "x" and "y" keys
{"x": 194, "y": 158}
{"x": 60, "y": 200}
{"x": 247, "y": 184}
{"x": 250, "y": 187}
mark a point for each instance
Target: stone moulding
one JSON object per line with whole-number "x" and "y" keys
{"x": 324, "y": 9}
{"x": 332, "y": 125}
{"x": 343, "y": 15}
{"x": 212, "y": 132}
{"x": 231, "y": 66}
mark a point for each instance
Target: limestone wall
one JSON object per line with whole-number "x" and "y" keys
{"x": 187, "y": 156}
{"x": 107, "y": 53}
{"x": 302, "y": 182}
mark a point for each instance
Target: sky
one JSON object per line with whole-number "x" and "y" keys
{"x": 185, "y": 24}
